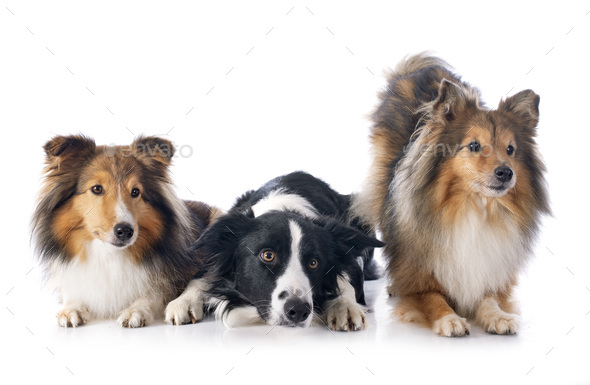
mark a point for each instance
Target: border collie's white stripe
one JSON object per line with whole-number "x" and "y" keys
{"x": 294, "y": 280}
{"x": 280, "y": 201}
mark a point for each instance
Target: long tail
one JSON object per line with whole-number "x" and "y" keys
{"x": 417, "y": 62}
{"x": 414, "y": 82}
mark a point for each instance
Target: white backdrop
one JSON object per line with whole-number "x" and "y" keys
{"x": 252, "y": 90}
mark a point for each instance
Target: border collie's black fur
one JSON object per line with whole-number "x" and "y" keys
{"x": 282, "y": 253}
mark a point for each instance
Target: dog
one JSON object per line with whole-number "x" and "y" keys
{"x": 283, "y": 254}
{"x": 457, "y": 190}
{"x": 111, "y": 235}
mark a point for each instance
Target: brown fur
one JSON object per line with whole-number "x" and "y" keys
{"x": 424, "y": 182}
{"x": 69, "y": 215}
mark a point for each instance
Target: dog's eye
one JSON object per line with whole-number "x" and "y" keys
{"x": 134, "y": 193}
{"x": 313, "y": 263}
{"x": 267, "y": 256}
{"x": 474, "y": 146}
{"x": 97, "y": 190}
{"x": 510, "y": 150}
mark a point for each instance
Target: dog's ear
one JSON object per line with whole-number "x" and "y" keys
{"x": 350, "y": 241}
{"x": 524, "y": 106}
{"x": 219, "y": 242}
{"x": 153, "y": 150}
{"x": 452, "y": 100}
{"x": 224, "y": 233}
{"x": 61, "y": 151}
{"x": 65, "y": 156}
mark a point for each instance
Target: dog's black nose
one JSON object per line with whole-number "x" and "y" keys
{"x": 123, "y": 231}
{"x": 504, "y": 173}
{"x": 297, "y": 310}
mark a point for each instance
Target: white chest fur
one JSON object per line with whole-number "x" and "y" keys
{"x": 478, "y": 259}
{"x": 106, "y": 281}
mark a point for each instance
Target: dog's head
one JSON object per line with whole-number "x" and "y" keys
{"x": 478, "y": 150}
{"x": 283, "y": 264}
{"x": 117, "y": 195}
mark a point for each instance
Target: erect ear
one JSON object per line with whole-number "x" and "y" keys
{"x": 350, "y": 241}
{"x": 452, "y": 100}
{"x": 153, "y": 150}
{"x": 63, "y": 150}
{"x": 524, "y": 106}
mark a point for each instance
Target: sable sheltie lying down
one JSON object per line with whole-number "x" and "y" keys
{"x": 110, "y": 232}
{"x": 457, "y": 190}
{"x": 284, "y": 253}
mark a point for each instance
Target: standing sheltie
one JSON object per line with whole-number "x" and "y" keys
{"x": 111, "y": 234}
{"x": 457, "y": 190}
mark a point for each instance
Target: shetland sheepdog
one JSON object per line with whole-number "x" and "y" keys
{"x": 110, "y": 233}
{"x": 457, "y": 190}
{"x": 283, "y": 254}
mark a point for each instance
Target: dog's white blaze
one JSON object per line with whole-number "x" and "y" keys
{"x": 278, "y": 200}
{"x": 294, "y": 280}
{"x": 123, "y": 215}
{"x": 478, "y": 260}
{"x": 107, "y": 281}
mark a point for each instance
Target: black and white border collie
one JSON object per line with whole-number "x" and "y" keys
{"x": 283, "y": 254}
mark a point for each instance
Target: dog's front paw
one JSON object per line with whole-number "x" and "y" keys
{"x": 73, "y": 316}
{"x": 184, "y": 310}
{"x": 500, "y": 323}
{"x": 343, "y": 315}
{"x": 451, "y": 325}
{"x": 134, "y": 318}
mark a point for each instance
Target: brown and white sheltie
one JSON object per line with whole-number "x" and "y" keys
{"x": 110, "y": 232}
{"x": 457, "y": 191}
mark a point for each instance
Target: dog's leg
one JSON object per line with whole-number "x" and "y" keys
{"x": 494, "y": 317}
{"x": 188, "y": 307}
{"x": 236, "y": 316}
{"x": 73, "y": 314}
{"x": 437, "y": 312}
{"x": 343, "y": 313}
{"x": 241, "y": 316}
{"x": 140, "y": 313}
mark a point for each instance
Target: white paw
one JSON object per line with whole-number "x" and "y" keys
{"x": 134, "y": 318}
{"x": 184, "y": 310}
{"x": 241, "y": 316}
{"x": 501, "y": 323}
{"x": 451, "y": 325}
{"x": 345, "y": 315}
{"x": 73, "y": 316}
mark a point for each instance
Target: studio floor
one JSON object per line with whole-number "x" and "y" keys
{"x": 551, "y": 348}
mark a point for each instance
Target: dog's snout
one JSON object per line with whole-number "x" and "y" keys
{"x": 123, "y": 231}
{"x": 297, "y": 310}
{"x": 504, "y": 173}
